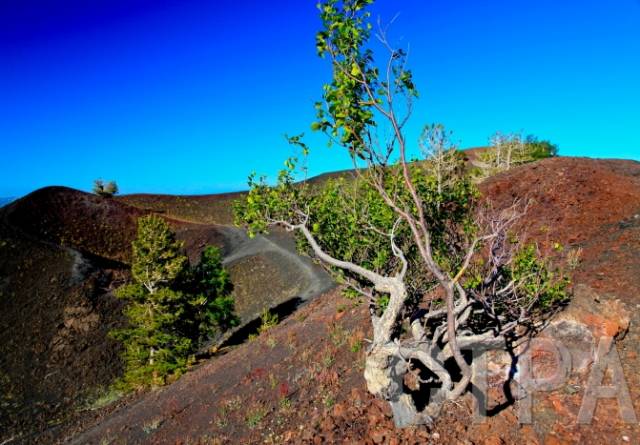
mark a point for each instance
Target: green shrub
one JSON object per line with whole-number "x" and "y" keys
{"x": 268, "y": 320}
{"x": 105, "y": 190}
{"x": 540, "y": 149}
{"x": 541, "y": 286}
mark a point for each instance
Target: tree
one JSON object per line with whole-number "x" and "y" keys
{"x": 210, "y": 287}
{"x": 111, "y": 188}
{"x": 437, "y": 147}
{"x": 171, "y": 307}
{"x": 153, "y": 349}
{"x": 442, "y": 273}
{"x": 540, "y": 149}
{"x": 509, "y": 150}
{"x": 157, "y": 257}
{"x": 105, "y": 190}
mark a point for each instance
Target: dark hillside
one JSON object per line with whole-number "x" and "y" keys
{"x": 55, "y": 311}
{"x": 218, "y": 208}
{"x": 203, "y": 209}
{"x": 94, "y": 225}
{"x": 5, "y": 201}
{"x": 62, "y": 253}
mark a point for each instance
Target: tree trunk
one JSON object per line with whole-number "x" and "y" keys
{"x": 384, "y": 368}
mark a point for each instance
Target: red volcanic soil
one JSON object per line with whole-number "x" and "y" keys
{"x": 301, "y": 381}
{"x": 574, "y": 200}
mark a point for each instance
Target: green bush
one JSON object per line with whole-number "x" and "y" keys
{"x": 540, "y": 149}
{"x": 351, "y": 220}
{"x": 540, "y": 286}
{"x": 105, "y": 190}
{"x": 268, "y": 320}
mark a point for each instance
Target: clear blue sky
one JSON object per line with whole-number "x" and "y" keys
{"x": 190, "y": 96}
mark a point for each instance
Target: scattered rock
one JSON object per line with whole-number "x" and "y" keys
{"x": 610, "y": 318}
{"x": 577, "y": 338}
{"x": 493, "y": 440}
{"x": 339, "y": 410}
{"x": 377, "y": 436}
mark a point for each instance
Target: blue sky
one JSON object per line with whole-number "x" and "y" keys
{"x": 185, "y": 96}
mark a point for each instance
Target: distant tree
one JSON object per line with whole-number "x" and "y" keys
{"x": 509, "y": 150}
{"x": 436, "y": 146}
{"x": 171, "y": 308}
{"x": 111, "y": 188}
{"x": 98, "y": 186}
{"x": 106, "y": 190}
{"x": 540, "y": 149}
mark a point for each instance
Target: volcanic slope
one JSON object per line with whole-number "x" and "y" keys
{"x": 62, "y": 254}
{"x": 301, "y": 382}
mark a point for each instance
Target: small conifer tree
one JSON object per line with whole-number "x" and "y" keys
{"x": 208, "y": 287}
{"x": 157, "y": 257}
{"x": 172, "y": 308}
{"x": 212, "y": 287}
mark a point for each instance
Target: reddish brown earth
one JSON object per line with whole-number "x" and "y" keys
{"x": 67, "y": 217}
{"x": 93, "y": 225}
{"x": 301, "y": 382}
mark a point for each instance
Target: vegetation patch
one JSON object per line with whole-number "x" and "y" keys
{"x": 441, "y": 273}
{"x": 172, "y": 308}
